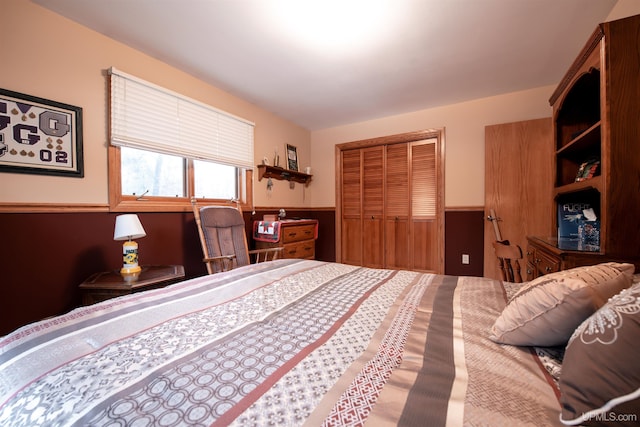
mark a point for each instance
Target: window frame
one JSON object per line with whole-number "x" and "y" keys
{"x": 119, "y": 202}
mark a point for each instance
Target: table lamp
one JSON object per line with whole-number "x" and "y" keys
{"x": 128, "y": 227}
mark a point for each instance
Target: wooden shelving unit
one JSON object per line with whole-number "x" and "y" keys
{"x": 595, "y": 117}
{"x": 275, "y": 172}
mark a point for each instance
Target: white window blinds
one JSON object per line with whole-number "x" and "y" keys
{"x": 149, "y": 117}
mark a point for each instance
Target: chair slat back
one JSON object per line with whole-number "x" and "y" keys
{"x": 509, "y": 257}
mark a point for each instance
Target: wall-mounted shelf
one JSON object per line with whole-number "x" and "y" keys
{"x": 266, "y": 171}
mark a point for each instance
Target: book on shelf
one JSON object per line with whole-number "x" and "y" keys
{"x": 578, "y": 221}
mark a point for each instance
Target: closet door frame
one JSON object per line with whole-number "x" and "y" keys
{"x": 438, "y": 135}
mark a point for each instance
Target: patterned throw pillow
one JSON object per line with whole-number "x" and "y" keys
{"x": 600, "y": 381}
{"x": 547, "y": 310}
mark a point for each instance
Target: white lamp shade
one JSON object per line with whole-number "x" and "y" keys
{"x": 128, "y": 227}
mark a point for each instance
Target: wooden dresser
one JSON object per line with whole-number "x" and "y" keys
{"x": 296, "y": 236}
{"x": 548, "y": 255}
{"x": 545, "y": 255}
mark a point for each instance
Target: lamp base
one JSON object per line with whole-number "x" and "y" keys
{"x": 130, "y": 270}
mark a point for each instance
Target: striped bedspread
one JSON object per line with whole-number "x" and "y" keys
{"x": 289, "y": 342}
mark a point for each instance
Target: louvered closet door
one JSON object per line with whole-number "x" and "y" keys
{"x": 424, "y": 224}
{"x": 397, "y": 191}
{"x": 389, "y": 204}
{"x": 372, "y": 206}
{"x": 351, "y": 201}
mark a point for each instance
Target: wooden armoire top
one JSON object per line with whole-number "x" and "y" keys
{"x": 586, "y": 51}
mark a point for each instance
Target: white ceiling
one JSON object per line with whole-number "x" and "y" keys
{"x": 398, "y": 55}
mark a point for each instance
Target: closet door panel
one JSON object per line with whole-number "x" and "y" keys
{"x": 372, "y": 206}
{"x": 424, "y": 230}
{"x": 352, "y": 241}
{"x": 396, "y": 234}
{"x": 424, "y": 245}
{"x": 397, "y": 204}
{"x": 424, "y": 186}
{"x": 351, "y": 200}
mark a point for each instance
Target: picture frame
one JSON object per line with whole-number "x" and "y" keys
{"x": 292, "y": 157}
{"x": 40, "y": 136}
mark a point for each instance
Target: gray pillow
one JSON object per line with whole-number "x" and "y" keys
{"x": 600, "y": 380}
{"x": 547, "y": 310}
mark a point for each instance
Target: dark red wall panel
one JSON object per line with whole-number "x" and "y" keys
{"x": 464, "y": 231}
{"x": 45, "y": 256}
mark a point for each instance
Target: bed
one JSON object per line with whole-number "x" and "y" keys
{"x": 287, "y": 342}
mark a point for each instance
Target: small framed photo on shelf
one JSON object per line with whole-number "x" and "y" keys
{"x": 292, "y": 157}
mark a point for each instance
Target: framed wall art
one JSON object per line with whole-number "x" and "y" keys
{"x": 292, "y": 157}
{"x": 39, "y": 136}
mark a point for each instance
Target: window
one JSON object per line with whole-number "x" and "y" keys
{"x": 215, "y": 181}
{"x": 145, "y": 173}
{"x": 166, "y": 148}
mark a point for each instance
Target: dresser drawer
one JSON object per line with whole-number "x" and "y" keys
{"x": 305, "y": 249}
{"x": 546, "y": 264}
{"x": 297, "y": 233}
{"x": 531, "y": 255}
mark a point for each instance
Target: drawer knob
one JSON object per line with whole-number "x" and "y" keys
{"x": 547, "y": 269}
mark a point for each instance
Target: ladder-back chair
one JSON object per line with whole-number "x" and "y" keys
{"x": 223, "y": 238}
{"x": 509, "y": 257}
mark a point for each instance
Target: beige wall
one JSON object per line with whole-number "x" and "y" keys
{"x": 464, "y": 132}
{"x": 624, "y": 8}
{"x": 464, "y": 141}
{"x": 48, "y": 56}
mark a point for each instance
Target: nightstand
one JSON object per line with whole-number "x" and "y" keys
{"x": 110, "y": 284}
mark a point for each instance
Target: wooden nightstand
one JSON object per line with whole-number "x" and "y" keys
{"x": 110, "y": 284}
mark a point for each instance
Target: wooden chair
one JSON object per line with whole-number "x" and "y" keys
{"x": 223, "y": 238}
{"x": 509, "y": 257}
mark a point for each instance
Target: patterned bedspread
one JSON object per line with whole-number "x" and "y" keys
{"x": 289, "y": 342}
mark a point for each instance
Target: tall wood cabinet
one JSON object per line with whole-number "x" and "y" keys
{"x": 388, "y": 207}
{"x": 596, "y": 116}
{"x": 518, "y": 180}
